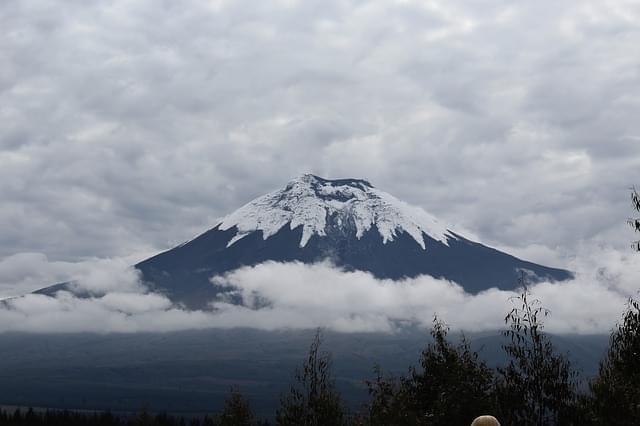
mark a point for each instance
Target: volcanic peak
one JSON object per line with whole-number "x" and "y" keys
{"x": 314, "y": 203}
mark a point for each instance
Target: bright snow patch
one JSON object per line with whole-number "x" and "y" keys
{"x": 310, "y": 200}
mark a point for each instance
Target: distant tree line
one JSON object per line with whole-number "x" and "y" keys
{"x": 236, "y": 412}
{"x": 450, "y": 386}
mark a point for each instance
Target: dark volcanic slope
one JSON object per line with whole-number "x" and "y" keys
{"x": 183, "y": 273}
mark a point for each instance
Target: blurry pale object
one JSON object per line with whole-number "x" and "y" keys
{"x": 485, "y": 421}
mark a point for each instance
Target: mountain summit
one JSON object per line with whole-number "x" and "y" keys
{"x": 321, "y": 206}
{"x": 347, "y": 221}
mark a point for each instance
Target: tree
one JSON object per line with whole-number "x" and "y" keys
{"x": 236, "y": 412}
{"x": 451, "y": 386}
{"x": 634, "y": 222}
{"x": 538, "y": 386}
{"x": 313, "y": 399}
{"x": 389, "y": 405}
{"x": 144, "y": 418}
{"x": 616, "y": 388}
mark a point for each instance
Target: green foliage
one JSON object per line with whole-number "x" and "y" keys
{"x": 313, "y": 399}
{"x": 451, "y": 387}
{"x": 144, "y": 419}
{"x": 57, "y": 418}
{"x": 616, "y": 389}
{"x": 537, "y": 386}
{"x": 390, "y": 401}
{"x": 634, "y": 222}
{"x": 74, "y": 418}
{"x": 236, "y": 412}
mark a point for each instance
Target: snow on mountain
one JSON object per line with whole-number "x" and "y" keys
{"x": 312, "y": 202}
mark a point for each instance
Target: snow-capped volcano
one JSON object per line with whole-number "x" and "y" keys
{"x": 349, "y": 222}
{"x": 318, "y": 204}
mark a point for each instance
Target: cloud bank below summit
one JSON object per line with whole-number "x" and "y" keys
{"x": 298, "y": 296}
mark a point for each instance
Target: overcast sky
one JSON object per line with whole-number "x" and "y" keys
{"x": 127, "y": 127}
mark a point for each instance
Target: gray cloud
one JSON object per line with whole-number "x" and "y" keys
{"x": 128, "y": 127}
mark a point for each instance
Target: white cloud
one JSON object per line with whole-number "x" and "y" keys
{"x": 25, "y": 272}
{"x": 322, "y": 295}
{"x": 295, "y": 295}
{"x": 66, "y": 313}
{"x": 102, "y": 277}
